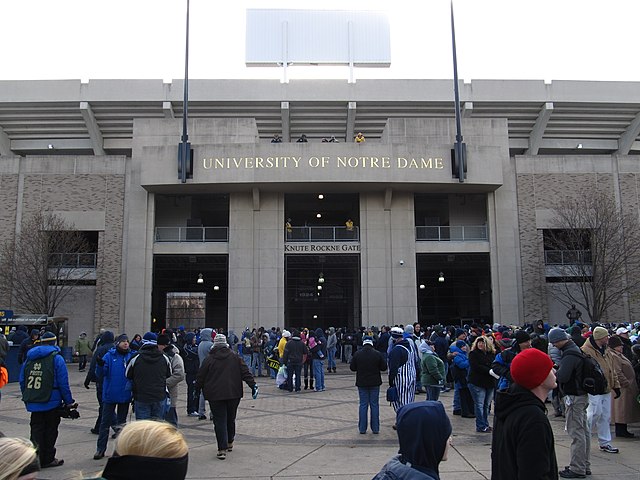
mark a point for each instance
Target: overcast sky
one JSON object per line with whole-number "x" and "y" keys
{"x": 496, "y": 39}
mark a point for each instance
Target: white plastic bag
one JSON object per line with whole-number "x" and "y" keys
{"x": 282, "y": 375}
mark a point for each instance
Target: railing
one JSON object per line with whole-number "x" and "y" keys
{"x": 73, "y": 260}
{"x": 567, "y": 257}
{"x": 322, "y": 234}
{"x": 458, "y": 233}
{"x": 192, "y": 234}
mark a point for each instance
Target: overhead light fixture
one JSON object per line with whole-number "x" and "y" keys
{"x": 200, "y": 280}
{"x": 216, "y": 287}
{"x": 50, "y": 146}
{"x": 422, "y": 286}
{"x": 319, "y": 287}
{"x": 318, "y": 215}
{"x": 441, "y": 277}
{"x": 321, "y": 196}
{"x": 321, "y": 278}
{"x": 315, "y": 316}
{"x": 579, "y": 145}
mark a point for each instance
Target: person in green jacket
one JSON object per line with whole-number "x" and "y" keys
{"x": 432, "y": 372}
{"x": 82, "y": 349}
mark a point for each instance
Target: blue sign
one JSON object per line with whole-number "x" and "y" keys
{"x": 6, "y": 314}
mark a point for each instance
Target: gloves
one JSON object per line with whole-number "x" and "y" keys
{"x": 618, "y": 393}
{"x": 254, "y": 391}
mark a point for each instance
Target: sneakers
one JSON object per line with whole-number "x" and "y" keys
{"x": 221, "y": 455}
{"x": 229, "y": 446}
{"x": 568, "y": 473}
{"x": 485, "y": 430}
{"x": 193, "y": 414}
{"x": 608, "y": 448}
{"x": 202, "y": 417}
{"x": 54, "y": 463}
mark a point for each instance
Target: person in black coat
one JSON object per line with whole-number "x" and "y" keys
{"x": 481, "y": 383}
{"x": 191, "y": 365}
{"x": 105, "y": 344}
{"x": 523, "y": 446}
{"x": 368, "y": 363}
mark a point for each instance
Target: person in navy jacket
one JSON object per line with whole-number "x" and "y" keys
{"x": 43, "y": 394}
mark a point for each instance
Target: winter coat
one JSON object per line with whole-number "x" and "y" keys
{"x": 626, "y": 408}
{"x": 431, "y": 369}
{"x": 190, "y": 355}
{"x": 128, "y": 467}
{"x": 205, "y": 344}
{"x": 82, "y": 346}
{"x": 441, "y": 345}
{"x": 502, "y": 366}
{"x": 221, "y": 375}
{"x": 116, "y": 387}
{"x": 367, "y": 362}
{"x": 148, "y": 371}
{"x": 106, "y": 343}
{"x": 479, "y": 365}
{"x": 61, "y": 393}
{"x": 294, "y": 351}
{"x": 569, "y": 374}
{"x": 177, "y": 372}
{"x": 522, "y": 445}
{"x": 604, "y": 360}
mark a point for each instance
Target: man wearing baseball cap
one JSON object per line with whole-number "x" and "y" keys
{"x": 521, "y": 426}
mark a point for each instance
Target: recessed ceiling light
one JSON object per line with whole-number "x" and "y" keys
{"x": 321, "y": 196}
{"x": 318, "y": 215}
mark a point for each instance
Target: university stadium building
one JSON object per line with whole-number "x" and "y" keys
{"x": 317, "y": 233}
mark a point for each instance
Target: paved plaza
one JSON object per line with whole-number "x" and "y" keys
{"x": 307, "y": 435}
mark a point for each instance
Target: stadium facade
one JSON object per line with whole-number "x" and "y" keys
{"x": 317, "y": 233}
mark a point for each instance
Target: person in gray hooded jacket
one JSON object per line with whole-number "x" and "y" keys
{"x": 206, "y": 342}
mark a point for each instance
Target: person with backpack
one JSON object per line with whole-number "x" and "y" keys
{"x": 599, "y": 410}
{"x": 44, "y": 383}
{"x": 569, "y": 378}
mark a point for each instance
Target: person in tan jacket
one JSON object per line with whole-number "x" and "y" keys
{"x": 625, "y": 409}
{"x": 599, "y": 409}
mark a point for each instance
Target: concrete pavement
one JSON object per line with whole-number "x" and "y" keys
{"x": 307, "y": 435}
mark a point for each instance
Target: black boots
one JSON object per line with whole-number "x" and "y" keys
{"x": 622, "y": 432}
{"x": 306, "y": 383}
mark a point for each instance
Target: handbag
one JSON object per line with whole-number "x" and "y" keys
{"x": 392, "y": 394}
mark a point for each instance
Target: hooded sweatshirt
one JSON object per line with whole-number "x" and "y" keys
{"x": 205, "y": 343}
{"x": 61, "y": 393}
{"x": 521, "y": 427}
{"x": 423, "y": 431}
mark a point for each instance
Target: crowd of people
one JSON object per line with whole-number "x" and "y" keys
{"x": 589, "y": 373}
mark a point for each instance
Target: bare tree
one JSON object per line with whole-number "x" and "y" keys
{"x": 596, "y": 250}
{"x": 46, "y": 260}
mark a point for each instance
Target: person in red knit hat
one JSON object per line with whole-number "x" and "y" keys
{"x": 521, "y": 426}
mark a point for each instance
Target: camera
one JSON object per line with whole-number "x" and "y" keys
{"x": 69, "y": 411}
{"x": 401, "y": 262}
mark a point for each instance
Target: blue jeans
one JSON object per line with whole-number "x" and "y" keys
{"x": 482, "y": 400}
{"x": 108, "y": 413}
{"x": 433, "y": 392}
{"x": 150, "y": 411}
{"x": 456, "y": 397}
{"x": 331, "y": 360}
{"x": 318, "y": 374}
{"x": 256, "y": 363}
{"x": 369, "y": 397}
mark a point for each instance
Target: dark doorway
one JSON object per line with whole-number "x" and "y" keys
{"x": 454, "y": 289}
{"x": 322, "y": 291}
{"x": 178, "y": 296}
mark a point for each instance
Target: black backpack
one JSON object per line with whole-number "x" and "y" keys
{"x": 593, "y": 380}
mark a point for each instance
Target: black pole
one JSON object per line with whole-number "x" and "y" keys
{"x": 460, "y": 149}
{"x": 184, "y": 149}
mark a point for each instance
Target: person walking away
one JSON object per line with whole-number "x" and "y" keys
{"x": 459, "y": 373}
{"x": 177, "y": 376}
{"x": 625, "y": 409}
{"x": 220, "y": 377}
{"x": 432, "y": 372}
{"x": 402, "y": 370}
{"x": 44, "y": 383}
{"x": 481, "y": 383}
{"x": 148, "y": 372}
{"x": 116, "y": 391}
{"x": 318, "y": 353}
{"x": 599, "y": 409}
{"x": 368, "y": 363}
{"x": 191, "y": 366}
{"x": 293, "y": 357}
{"x": 204, "y": 346}
{"x": 82, "y": 349}
{"x": 332, "y": 343}
{"x": 424, "y": 436}
{"x": 106, "y": 343}
{"x": 570, "y": 385}
{"x": 522, "y": 445}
